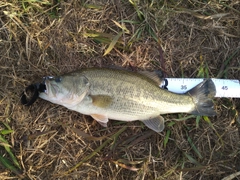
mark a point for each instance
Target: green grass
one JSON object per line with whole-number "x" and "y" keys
{"x": 86, "y": 158}
{"x": 12, "y": 164}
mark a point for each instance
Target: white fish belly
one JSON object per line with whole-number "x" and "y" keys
{"x": 116, "y": 111}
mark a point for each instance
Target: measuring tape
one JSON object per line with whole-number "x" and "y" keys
{"x": 224, "y": 87}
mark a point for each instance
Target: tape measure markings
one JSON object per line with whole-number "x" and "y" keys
{"x": 224, "y": 87}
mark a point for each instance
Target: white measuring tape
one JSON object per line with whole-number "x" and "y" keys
{"x": 224, "y": 87}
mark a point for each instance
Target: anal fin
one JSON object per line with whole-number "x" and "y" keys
{"x": 156, "y": 124}
{"x": 101, "y": 119}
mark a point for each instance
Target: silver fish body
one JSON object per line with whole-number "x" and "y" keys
{"x": 124, "y": 95}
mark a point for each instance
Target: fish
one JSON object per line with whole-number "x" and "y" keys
{"x": 117, "y": 94}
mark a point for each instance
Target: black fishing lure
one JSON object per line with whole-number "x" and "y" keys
{"x": 34, "y": 90}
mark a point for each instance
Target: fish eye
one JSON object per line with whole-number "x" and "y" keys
{"x": 58, "y": 79}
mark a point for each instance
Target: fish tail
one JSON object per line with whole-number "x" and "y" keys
{"x": 202, "y": 95}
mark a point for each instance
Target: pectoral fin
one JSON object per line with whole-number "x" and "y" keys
{"x": 101, "y": 119}
{"x": 101, "y": 101}
{"x": 156, "y": 124}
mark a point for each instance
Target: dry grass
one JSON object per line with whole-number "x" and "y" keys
{"x": 39, "y": 38}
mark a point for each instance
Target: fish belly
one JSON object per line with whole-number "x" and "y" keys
{"x": 124, "y": 111}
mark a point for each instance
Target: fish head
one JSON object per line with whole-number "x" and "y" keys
{"x": 67, "y": 90}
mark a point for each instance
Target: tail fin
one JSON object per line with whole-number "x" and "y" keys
{"x": 202, "y": 95}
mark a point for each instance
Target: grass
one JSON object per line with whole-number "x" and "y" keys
{"x": 181, "y": 38}
{"x": 13, "y": 164}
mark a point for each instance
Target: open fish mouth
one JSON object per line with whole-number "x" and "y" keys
{"x": 42, "y": 86}
{"x": 45, "y": 90}
{"x": 49, "y": 87}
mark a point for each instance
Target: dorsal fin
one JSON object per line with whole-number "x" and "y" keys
{"x": 156, "y": 76}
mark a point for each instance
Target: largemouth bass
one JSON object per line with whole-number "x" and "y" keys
{"x": 126, "y": 96}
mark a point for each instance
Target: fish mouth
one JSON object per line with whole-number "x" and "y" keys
{"x": 51, "y": 88}
{"x": 48, "y": 86}
{"x": 41, "y": 87}
{"x": 45, "y": 84}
